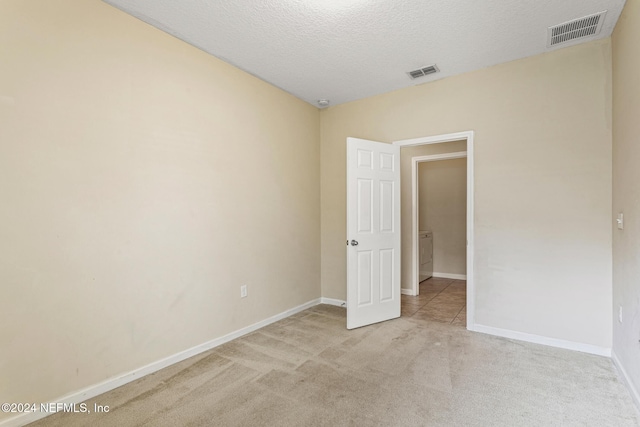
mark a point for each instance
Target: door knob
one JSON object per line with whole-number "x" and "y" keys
{"x": 354, "y": 243}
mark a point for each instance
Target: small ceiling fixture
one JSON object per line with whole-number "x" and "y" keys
{"x": 578, "y": 28}
{"x": 323, "y": 102}
{"x": 420, "y": 72}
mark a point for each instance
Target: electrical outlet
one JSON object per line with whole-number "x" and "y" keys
{"x": 620, "y": 221}
{"x": 243, "y": 291}
{"x": 620, "y": 315}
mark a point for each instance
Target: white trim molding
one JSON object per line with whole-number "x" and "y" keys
{"x": 450, "y": 276}
{"x": 469, "y": 154}
{"x": 332, "y": 301}
{"x": 626, "y": 379}
{"x": 112, "y": 383}
{"x": 437, "y": 139}
{"x": 407, "y": 291}
{"x": 538, "y": 339}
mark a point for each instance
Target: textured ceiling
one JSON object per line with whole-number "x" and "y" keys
{"x": 343, "y": 50}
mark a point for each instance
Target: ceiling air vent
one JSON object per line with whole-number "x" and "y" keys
{"x": 420, "y": 72}
{"x": 576, "y": 29}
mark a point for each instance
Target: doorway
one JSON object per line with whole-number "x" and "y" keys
{"x": 411, "y": 282}
{"x": 439, "y": 294}
{"x": 418, "y": 219}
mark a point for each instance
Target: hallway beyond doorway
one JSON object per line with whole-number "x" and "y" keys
{"x": 440, "y": 300}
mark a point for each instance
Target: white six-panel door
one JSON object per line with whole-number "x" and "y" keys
{"x": 373, "y": 232}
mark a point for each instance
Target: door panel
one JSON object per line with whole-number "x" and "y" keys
{"x": 386, "y": 162}
{"x": 373, "y": 231}
{"x": 365, "y": 278}
{"x": 386, "y": 206}
{"x": 365, "y": 205}
{"x": 386, "y": 274}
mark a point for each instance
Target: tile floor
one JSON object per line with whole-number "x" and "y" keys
{"x": 440, "y": 300}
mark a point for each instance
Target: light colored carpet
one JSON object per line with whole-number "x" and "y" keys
{"x": 308, "y": 370}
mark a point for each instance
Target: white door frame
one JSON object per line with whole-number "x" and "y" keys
{"x": 438, "y": 139}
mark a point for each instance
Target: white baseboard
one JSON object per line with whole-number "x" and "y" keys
{"x": 538, "y": 339}
{"x": 331, "y": 301}
{"x": 450, "y": 276}
{"x": 627, "y": 380}
{"x": 112, "y": 383}
{"x": 404, "y": 291}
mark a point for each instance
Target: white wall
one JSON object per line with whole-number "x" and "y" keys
{"x": 542, "y": 184}
{"x": 443, "y": 210}
{"x": 626, "y": 192}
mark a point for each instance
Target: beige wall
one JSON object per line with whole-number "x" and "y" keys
{"x": 406, "y": 153}
{"x": 542, "y": 184}
{"x": 142, "y": 182}
{"x": 443, "y": 210}
{"x": 626, "y": 190}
